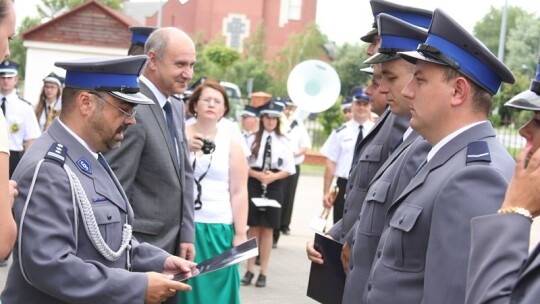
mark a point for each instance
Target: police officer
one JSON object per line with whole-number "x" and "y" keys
{"x": 75, "y": 240}
{"x": 250, "y": 120}
{"x": 139, "y": 35}
{"x": 23, "y": 127}
{"x": 339, "y": 148}
{"x": 422, "y": 255}
{"x": 346, "y": 104}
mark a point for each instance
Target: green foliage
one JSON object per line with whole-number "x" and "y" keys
{"x": 348, "y": 64}
{"x": 507, "y": 92}
{"x": 523, "y": 42}
{"x": 331, "y": 118}
{"x": 16, "y": 48}
{"x": 222, "y": 56}
{"x": 488, "y": 29}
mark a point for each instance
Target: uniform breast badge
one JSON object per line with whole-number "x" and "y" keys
{"x": 14, "y": 127}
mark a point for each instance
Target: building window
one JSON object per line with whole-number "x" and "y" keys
{"x": 236, "y": 29}
{"x": 295, "y": 9}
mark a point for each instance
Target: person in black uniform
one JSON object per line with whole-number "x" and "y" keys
{"x": 271, "y": 161}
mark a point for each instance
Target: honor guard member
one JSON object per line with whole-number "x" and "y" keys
{"x": 500, "y": 267}
{"x": 250, "y": 120}
{"x": 398, "y": 170}
{"x": 339, "y": 148}
{"x": 423, "y": 252}
{"x": 139, "y": 35}
{"x": 300, "y": 142}
{"x": 346, "y": 104}
{"x": 371, "y": 153}
{"x": 75, "y": 242}
{"x": 21, "y": 121}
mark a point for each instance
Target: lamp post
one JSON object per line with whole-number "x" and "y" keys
{"x": 502, "y": 36}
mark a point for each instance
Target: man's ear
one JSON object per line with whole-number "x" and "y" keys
{"x": 152, "y": 60}
{"x": 85, "y": 103}
{"x": 462, "y": 89}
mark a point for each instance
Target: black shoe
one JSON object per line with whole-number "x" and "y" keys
{"x": 286, "y": 230}
{"x": 248, "y": 277}
{"x": 261, "y": 281}
{"x": 274, "y": 245}
{"x": 258, "y": 260}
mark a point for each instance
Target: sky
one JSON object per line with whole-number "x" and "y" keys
{"x": 347, "y": 20}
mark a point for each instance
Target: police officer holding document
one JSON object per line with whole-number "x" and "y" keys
{"x": 75, "y": 242}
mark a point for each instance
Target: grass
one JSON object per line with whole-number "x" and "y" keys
{"x": 311, "y": 169}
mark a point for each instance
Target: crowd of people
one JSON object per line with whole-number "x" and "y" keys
{"x": 106, "y": 185}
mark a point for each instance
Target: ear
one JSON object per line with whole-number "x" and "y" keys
{"x": 152, "y": 60}
{"x": 85, "y": 104}
{"x": 462, "y": 89}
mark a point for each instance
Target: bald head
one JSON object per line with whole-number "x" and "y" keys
{"x": 158, "y": 41}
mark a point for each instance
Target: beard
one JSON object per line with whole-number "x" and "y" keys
{"x": 100, "y": 127}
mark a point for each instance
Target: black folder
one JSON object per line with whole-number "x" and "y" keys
{"x": 327, "y": 281}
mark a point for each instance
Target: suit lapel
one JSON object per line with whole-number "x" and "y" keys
{"x": 458, "y": 143}
{"x": 404, "y": 145}
{"x": 157, "y": 111}
{"x": 88, "y": 166}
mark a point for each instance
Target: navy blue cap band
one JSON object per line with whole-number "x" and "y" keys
{"x": 401, "y": 43}
{"x": 538, "y": 72}
{"x": 93, "y": 80}
{"x": 469, "y": 65}
{"x": 139, "y": 38}
{"x": 415, "y": 19}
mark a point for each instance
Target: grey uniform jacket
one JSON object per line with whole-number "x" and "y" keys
{"x": 373, "y": 151}
{"x": 500, "y": 269}
{"x": 61, "y": 263}
{"x": 386, "y": 186}
{"x": 423, "y": 253}
{"x": 159, "y": 188}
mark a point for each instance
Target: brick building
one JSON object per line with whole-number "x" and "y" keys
{"x": 238, "y": 19}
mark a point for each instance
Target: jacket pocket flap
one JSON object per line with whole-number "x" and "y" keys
{"x": 405, "y": 217}
{"x": 378, "y": 192}
{"x": 372, "y": 153}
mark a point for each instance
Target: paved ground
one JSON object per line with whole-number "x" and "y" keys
{"x": 289, "y": 267}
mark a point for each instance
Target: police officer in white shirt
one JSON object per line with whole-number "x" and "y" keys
{"x": 22, "y": 124}
{"x": 339, "y": 149}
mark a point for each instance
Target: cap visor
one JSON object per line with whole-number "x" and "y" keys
{"x": 414, "y": 56}
{"x": 380, "y": 58}
{"x": 370, "y": 36}
{"x": 271, "y": 113}
{"x": 137, "y": 98}
{"x": 526, "y": 100}
{"x": 368, "y": 70}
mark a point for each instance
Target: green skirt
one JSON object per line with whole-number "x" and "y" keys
{"x": 221, "y": 286}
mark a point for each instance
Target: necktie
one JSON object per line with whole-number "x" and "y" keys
{"x": 357, "y": 145}
{"x": 4, "y": 106}
{"x": 170, "y": 125}
{"x": 104, "y": 163}
{"x": 267, "y": 154}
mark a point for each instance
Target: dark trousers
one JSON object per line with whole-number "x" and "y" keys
{"x": 14, "y": 158}
{"x": 288, "y": 201}
{"x": 340, "y": 199}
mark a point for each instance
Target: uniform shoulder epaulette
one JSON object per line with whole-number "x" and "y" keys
{"x": 478, "y": 151}
{"x": 343, "y": 126}
{"x": 294, "y": 124}
{"x": 57, "y": 153}
{"x": 24, "y": 100}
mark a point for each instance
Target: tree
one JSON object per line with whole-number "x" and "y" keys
{"x": 523, "y": 42}
{"x": 489, "y": 28}
{"x": 17, "y": 50}
{"x": 348, "y": 63}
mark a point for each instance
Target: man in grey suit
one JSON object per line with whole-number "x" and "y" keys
{"x": 153, "y": 163}
{"x": 500, "y": 268}
{"x": 75, "y": 241}
{"x": 422, "y": 255}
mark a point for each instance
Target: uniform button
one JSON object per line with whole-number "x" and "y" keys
{"x": 343, "y": 236}
{"x": 369, "y": 286}
{"x": 109, "y": 216}
{"x": 353, "y": 241}
{"x": 379, "y": 253}
{"x": 373, "y": 194}
{"x": 401, "y": 220}
{"x": 345, "y": 211}
{"x": 350, "y": 187}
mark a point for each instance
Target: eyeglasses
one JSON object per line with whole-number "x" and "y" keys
{"x": 210, "y": 100}
{"x": 128, "y": 115}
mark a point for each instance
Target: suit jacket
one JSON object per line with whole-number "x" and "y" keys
{"x": 61, "y": 263}
{"x": 500, "y": 269}
{"x": 157, "y": 185}
{"x": 423, "y": 252}
{"x": 386, "y": 186}
{"x": 373, "y": 151}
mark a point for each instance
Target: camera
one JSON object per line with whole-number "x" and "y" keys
{"x": 208, "y": 146}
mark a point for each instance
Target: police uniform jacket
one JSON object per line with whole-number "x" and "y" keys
{"x": 373, "y": 151}
{"x": 21, "y": 122}
{"x": 58, "y": 257}
{"x": 386, "y": 186}
{"x": 500, "y": 270}
{"x": 159, "y": 188}
{"x": 423, "y": 253}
